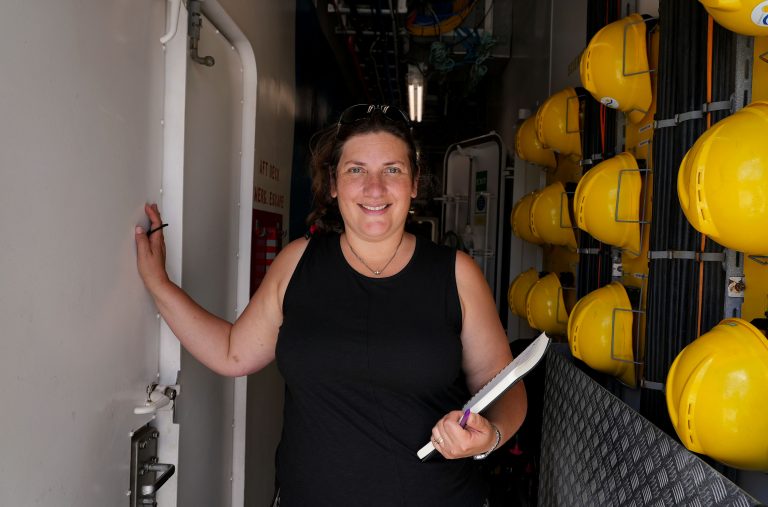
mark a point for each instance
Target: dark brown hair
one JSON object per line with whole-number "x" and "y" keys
{"x": 326, "y": 153}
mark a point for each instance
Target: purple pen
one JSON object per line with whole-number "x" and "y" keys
{"x": 463, "y": 420}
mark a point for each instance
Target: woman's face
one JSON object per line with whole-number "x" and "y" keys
{"x": 374, "y": 185}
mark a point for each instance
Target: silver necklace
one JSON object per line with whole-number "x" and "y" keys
{"x": 376, "y": 272}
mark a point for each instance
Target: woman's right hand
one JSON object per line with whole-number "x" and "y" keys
{"x": 150, "y": 250}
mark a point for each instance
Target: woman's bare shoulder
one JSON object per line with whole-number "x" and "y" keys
{"x": 286, "y": 261}
{"x": 467, "y": 270}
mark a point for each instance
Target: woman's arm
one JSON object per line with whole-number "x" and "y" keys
{"x": 228, "y": 349}
{"x": 486, "y": 352}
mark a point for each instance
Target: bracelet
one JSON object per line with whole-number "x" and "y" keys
{"x": 495, "y": 444}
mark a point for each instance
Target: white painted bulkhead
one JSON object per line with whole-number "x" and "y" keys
{"x": 83, "y": 99}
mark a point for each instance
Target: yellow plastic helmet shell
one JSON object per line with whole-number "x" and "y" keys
{"x": 521, "y": 221}
{"x": 607, "y": 209}
{"x": 545, "y": 306}
{"x": 717, "y": 394}
{"x": 615, "y": 71}
{"x": 550, "y": 217}
{"x": 558, "y": 125}
{"x": 723, "y": 181}
{"x": 602, "y": 337}
{"x": 518, "y": 291}
{"x": 747, "y": 17}
{"x": 529, "y": 148}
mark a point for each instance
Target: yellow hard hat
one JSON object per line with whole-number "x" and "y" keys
{"x": 550, "y": 217}
{"x": 601, "y": 337}
{"x": 723, "y": 181}
{"x": 518, "y": 291}
{"x": 529, "y": 148}
{"x": 717, "y": 393}
{"x": 595, "y": 202}
{"x": 545, "y": 306}
{"x": 747, "y": 17}
{"x": 521, "y": 221}
{"x": 614, "y": 69}
{"x": 558, "y": 124}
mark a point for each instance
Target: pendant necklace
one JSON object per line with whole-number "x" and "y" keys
{"x": 376, "y": 272}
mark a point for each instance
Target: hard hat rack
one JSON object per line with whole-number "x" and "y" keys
{"x": 579, "y": 128}
{"x": 733, "y": 264}
{"x": 642, "y": 212}
{"x": 734, "y": 276}
{"x": 636, "y": 333}
{"x": 561, "y": 297}
{"x": 645, "y": 172}
{"x": 568, "y": 196}
{"x": 648, "y": 35}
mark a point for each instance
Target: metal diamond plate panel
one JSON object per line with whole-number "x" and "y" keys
{"x": 598, "y": 451}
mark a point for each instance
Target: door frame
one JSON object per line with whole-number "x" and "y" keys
{"x": 173, "y": 185}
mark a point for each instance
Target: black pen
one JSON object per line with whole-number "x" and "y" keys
{"x": 150, "y": 231}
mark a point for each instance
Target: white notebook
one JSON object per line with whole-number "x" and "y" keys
{"x": 499, "y": 384}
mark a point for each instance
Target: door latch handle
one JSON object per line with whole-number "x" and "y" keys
{"x": 167, "y": 471}
{"x": 158, "y": 396}
{"x": 147, "y": 475}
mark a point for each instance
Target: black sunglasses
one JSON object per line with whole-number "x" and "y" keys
{"x": 360, "y": 112}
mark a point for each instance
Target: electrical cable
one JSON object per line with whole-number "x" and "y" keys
{"x": 352, "y": 50}
{"x": 477, "y": 25}
{"x": 440, "y": 57}
{"x": 598, "y": 136}
{"x": 380, "y": 35}
{"x": 396, "y": 46}
{"x": 376, "y": 69}
{"x": 703, "y": 245}
{"x": 446, "y": 25}
{"x": 685, "y": 296}
{"x": 358, "y": 68}
{"x": 437, "y": 21}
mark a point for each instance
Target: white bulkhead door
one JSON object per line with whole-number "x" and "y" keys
{"x": 81, "y": 99}
{"x": 208, "y": 172}
{"x": 95, "y": 120}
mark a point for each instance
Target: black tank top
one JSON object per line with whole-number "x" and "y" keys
{"x": 370, "y": 365}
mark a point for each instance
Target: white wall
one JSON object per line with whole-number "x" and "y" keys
{"x": 522, "y": 254}
{"x": 80, "y": 138}
{"x": 568, "y": 31}
{"x": 547, "y": 36}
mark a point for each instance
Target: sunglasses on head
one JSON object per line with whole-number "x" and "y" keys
{"x": 360, "y": 112}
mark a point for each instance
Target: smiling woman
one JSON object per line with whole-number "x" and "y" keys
{"x": 327, "y": 153}
{"x": 366, "y": 170}
{"x": 374, "y": 186}
{"x": 380, "y": 336}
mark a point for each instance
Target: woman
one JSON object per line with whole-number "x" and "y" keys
{"x": 380, "y": 335}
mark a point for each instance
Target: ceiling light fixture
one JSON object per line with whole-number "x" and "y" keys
{"x": 415, "y": 80}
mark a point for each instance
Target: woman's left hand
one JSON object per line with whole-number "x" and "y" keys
{"x": 453, "y": 441}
